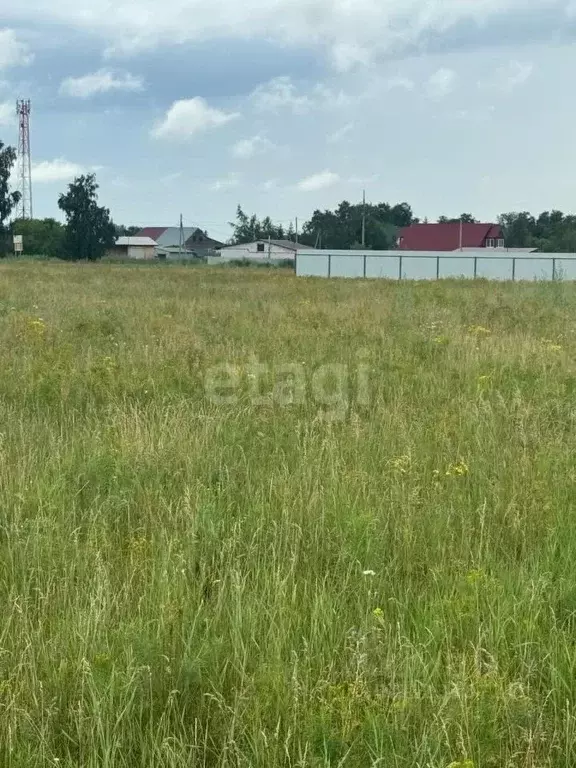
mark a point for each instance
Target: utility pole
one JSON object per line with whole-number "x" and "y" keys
{"x": 181, "y": 237}
{"x": 364, "y": 219}
{"x": 24, "y": 167}
{"x": 461, "y": 234}
{"x": 296, "y": 230}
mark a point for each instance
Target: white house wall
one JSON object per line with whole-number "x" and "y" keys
{"x": 142, "y": 253}
{"x": 250, "y": 251}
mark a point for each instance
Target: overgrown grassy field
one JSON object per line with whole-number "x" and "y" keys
{"x": 382, "y": 573}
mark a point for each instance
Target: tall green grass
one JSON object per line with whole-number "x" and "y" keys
{"x": 191, "y": 585}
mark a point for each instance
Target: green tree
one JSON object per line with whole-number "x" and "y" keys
{"x": 40, "y": 236}
{"x": 246, "y": 229}
{"x": 90, "y": 231}
{"x": 122, "y": 231}
{"x": 465, "y": 218}
{"x": 519, "y": 229}
{"x": 343, "y": 227}
{"x": 8, "y": 200}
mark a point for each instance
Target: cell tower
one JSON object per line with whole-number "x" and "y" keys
{"x": 24, "y": 168}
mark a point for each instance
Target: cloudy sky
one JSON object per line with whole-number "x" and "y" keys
{"x": 284, "y": 106}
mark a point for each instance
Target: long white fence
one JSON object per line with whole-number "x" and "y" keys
{"x": 417, "y": 265}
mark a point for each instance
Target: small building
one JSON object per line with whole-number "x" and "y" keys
{"x": 201, "y": 245}
{"x": 186, "y": 243}
{"x": 174, "y": 253}
{"x": 450, "y": 236}
{"x": 261, "y": 251}
{"x": 139, "y": 248}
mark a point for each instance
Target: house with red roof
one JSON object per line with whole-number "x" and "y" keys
{"x": 450, "y": 236}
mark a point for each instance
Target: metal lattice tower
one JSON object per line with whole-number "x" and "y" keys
{"x": 24, "y": 167}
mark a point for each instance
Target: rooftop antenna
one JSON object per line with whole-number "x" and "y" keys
{"x": 24, "y": 166}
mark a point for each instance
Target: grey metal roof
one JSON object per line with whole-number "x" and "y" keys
{"x": 138, "y": 241}
{"x": 171, "y": 235}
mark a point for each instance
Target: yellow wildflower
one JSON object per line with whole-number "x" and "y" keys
{"x": 475, "y": 576}
{"x": 37, "y": 325}
{"x": 378, "y": 613}
{"x": 479, "y": 330}
{"x": 460, "y": 469}
{"x": 402, "y": 464}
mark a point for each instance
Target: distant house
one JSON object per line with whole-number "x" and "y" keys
{"x": 190, "y": 242}
{"x": 140, "y": 248}
{"x": 450, "y": 236}
{"x": 273, "y": 251}
{"x": 200, "y": 244}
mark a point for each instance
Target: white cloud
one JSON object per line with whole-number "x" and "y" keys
{"x": 7, "y": 113}
{"x": 13, "y": 52}
{"x": 49, "y": 171}
{"x": 398, "y": 81}
{"x": 245, "y": 149}
{"x": 520, "y": 72}
{"x": 441, "y": 83}
{"x": 473, "y": 115}
{"x": 363, "y": 181}
{"x": 508, "y": 78}
{"x": 269, "y": 185}
{"x": 350, "y": 31}
{"x": 340, "y": 134}
{"x": 188, "y": 117}
{"x": 171, "y": 178}
{"x": 228, "y": 182}
{"x": 102, "y": 81}
{"x": 120, "y": 182}
{"x": 281, "y": 93}
{"x": 318, "y": 181}
{"x": 516, "y": 74}
{"x": 347, "y": 55}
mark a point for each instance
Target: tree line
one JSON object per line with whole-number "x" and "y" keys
{"x": 376, "y": 226}
{"x": 89, "y": 232}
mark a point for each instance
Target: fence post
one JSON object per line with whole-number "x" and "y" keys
{"x": 400, "y": 268}
{"x": 364, "y": 265}
{"x": 438, "y": 268}
{"x": 553, "y": 269}
{"x": 513, "y": 268}
{"x": 475, "y": 267}
{"x": 329, "y": 265}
